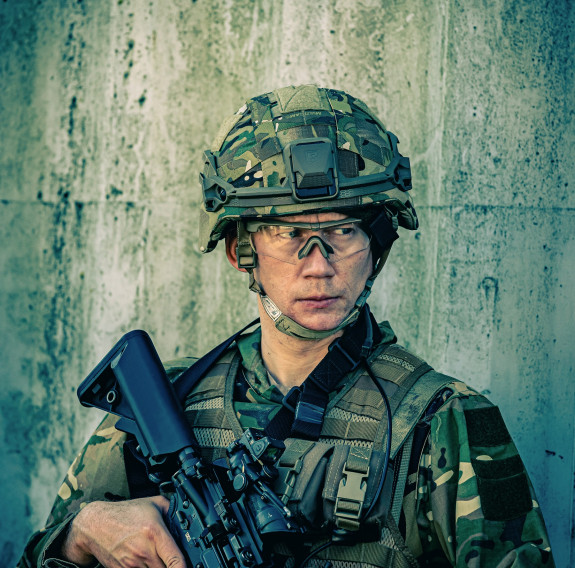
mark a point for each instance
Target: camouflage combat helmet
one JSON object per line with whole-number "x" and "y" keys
{"x": 301, "y": 150}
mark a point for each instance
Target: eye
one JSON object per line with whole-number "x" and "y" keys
{"x": 346, "y": 230}
{"x": 287, "y": 232}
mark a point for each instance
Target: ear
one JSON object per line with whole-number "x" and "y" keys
{"x": 232, "y": 251}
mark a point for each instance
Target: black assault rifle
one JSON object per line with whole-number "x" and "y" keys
{"x": 221, "y": 516}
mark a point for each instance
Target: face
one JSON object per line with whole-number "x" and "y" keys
{"x": 314, "y": 292}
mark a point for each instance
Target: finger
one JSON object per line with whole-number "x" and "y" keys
{"x": 161, "y": 503}
{"x": 166, "y": 547}
{"x": 168, "y": 551}
{"x": 175, "y": 562}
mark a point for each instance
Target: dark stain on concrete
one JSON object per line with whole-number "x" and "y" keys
{"x": 79, "y": 207}
{"x": 490, "y": 287}
{"x": 73, "y": 107}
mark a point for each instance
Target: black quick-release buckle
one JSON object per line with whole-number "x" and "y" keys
{"x": 291, "y": 399}
{"x": 335, "y": 346}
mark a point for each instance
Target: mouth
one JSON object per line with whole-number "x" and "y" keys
{"x": 318, "y": 302}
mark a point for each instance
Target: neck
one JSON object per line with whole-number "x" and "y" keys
{"x": 288, "y": 359}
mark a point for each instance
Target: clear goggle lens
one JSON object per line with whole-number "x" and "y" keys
{"x": 290, "y": 242}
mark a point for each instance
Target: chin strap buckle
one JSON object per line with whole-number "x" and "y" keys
{"x": 245, "y": 253}
{"x": 271, "y": 309}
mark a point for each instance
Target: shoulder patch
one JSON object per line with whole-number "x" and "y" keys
{"x": 503, "y": 485}
{"x": 505, "y": 498}
{"x": 485, "y": 427}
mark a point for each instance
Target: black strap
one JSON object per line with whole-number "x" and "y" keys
{"x": 382, "y": 232}
{"x": 191, "y": 376}
{"x": 304, "y": 407}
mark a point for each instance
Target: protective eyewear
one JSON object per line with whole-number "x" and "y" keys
{"x": 290, "y": 242}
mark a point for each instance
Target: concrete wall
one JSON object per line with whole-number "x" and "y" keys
{"x": 105, "y": 108}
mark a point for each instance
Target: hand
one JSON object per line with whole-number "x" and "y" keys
{"x": 124, "y": 534}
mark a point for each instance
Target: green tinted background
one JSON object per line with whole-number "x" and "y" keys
{"x": 105, "y": 108}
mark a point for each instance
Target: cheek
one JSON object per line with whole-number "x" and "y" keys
{"x": 274, "y": 277}
{"x": 362, "y": 272}
{"x": 359, "y": 281}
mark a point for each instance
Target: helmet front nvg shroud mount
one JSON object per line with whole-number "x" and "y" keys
{"x": 304, "y": 150}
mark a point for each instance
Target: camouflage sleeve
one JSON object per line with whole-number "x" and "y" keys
{"x": 97, "y": 474}
{"x": 475, "y": 504}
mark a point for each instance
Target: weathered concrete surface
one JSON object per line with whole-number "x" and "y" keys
{"x": 104, "y": 111}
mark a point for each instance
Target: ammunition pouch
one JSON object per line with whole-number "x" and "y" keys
{"x": 329, "y": 486}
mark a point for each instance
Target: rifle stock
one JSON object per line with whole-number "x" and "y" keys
{"x": 213, "y": 523}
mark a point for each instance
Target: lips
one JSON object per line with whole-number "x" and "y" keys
{"x": 318, "y": 302}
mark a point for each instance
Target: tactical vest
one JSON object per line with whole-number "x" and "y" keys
{"x": 330, "y": 482}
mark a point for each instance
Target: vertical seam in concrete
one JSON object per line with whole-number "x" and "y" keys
{"x": 439, "y": 170}
{"x": 572, "y": 501}
{"x": 143, "y": 279}
{"x": 444, "y": 56}
{"x": 568, "y": 101}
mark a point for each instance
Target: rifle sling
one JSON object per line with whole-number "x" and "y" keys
{"x": 191, "y": 376}
{"x": 304, "y": 407}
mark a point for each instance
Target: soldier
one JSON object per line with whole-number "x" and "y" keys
{"x": 308, "y": 189}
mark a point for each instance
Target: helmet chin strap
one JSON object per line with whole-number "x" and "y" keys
{"x": 290, "y": 327}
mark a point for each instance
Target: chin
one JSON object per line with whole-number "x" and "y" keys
{"x": 320, "y": 323}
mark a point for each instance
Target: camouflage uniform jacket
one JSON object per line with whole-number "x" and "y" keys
{"x": 468, "y": 501}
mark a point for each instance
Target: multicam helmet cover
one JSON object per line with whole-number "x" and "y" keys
{"x": 302, "y": 149}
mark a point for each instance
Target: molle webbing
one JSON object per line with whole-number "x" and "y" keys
{"x": 352, "y": 440}
{"x": 361, "y": 412}
{"x": 365, "y": 555}
{"x": 204, "y": 408}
